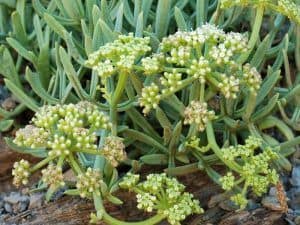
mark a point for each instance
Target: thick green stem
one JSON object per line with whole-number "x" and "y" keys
{"x": 254, "y": 35}
{"x": 60, "y": 161}
{"x": 201, "y": 12}
{"x": 183, "y": 84}
{"x": 74, "y": 164}
{"x": 290, "y": 143}
{"x": 272, "y": 121}
{"x": 115, "y": 99}
{"x": 113, "y": 221}
{"x": 214, "y": 146}
{"x": 297, "y": 49}
{"x": 41, "y": 164}
{"x": 88, "y": 151}
{"x": 250, "y": 106}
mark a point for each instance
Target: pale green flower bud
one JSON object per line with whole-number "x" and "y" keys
{"x": 236, "y": 42}
{"x": 180, "y": 55}
{"x": 251, "y": 78}
{"x": 104, "y": 69}
{"x": 129, "y": 181}
{"x": 227, "y": 181}
{"x": 153, "y": 64}
{"x": 171, "y": 81}
{"x": 21, "y": 172}
{"x": 31, "y": 136}
{"x": 150, "y": 98}
{"x": 290, "y": 9}
{"x": 199, "y": 69}
{"x": 53, "y": 176}
{"x": 197, "y": 113}
{"x": 59, "y": 146}
{"x": 229, "y": 86}
{"x": 240, "y": 200}
{"x": 146, "y": 201}
{"x": 114, "y": 150}
{"x": 89, "y": 183}
{"x": 121, "y": 53}
{"x": 166, "y": 195}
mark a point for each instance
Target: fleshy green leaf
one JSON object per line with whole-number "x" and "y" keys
{"x": 21, "y": 96}
{"x": 37, "y": 152}
{"x": 155, "y": 159}
{"x": 5, "y": 125}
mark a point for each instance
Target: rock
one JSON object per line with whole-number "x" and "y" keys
{"x": 36, "y": 200}
{"x": 8, "y": 104}
{"x": 58, "y": 194}
{"x": 216, "y": 199}
{"x": 228, "y": 205}
{"x": 295, "y": 179}
{"x": 16, "y": 197}
{"x": 273, "y": 191}
{"x": 3, "y": 93}
{"x": 271, "y": 202}
{"x": 294, "y": 196}
{"x": 8, "y": 208}
{"x": 70, "y": 176}
{"x": 15, "y": 203}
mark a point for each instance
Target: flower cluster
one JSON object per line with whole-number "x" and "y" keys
{"x": 197, "y": 113}
{"x": 199, "y": 69}
{"x": 89, "y": 183}
{"x": 164, "y": 194}
{"x": 229, "y": 86}
{"x": 230, "y": 3}
{"x": 171, "y": 81}
{"x": 227, "y": 181}
{"x": 289, "y": 9}
{"x": 150, "y": 98}
{"x": 153, "y": 64}
{"x": 53, "y": 176}
{"x": 21, "y": 172}
{"x": 114, "y": 150}
{"x": 252, "y": 78}
{"x": 118, "y": 55}
{"x": 208, "y": 55}
{"x": 64, "y": 128}
{"x": 129, "y": 181}
{"x": 255, "y": 169}
{"x": 31, "y": 136}
{"x": 286, "y": 7}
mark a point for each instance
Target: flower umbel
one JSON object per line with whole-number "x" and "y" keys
{"x": 53, "y": 176}
{"x": 254, "y": 170}
{"x": 62, "y": 131}
{"x": 197, "y": 113}
{"x": 21, "y": 172}
{"x": 114, "y": 150}
{"x": 89, "y": 183}
{"x": 150, "y": 98}
{"x": 208, "y": 55}
{"x": 163, "y": 194}
{"x": 118, "y": 55}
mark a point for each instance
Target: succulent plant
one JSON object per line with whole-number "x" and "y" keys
{"x": 120, "y": 86}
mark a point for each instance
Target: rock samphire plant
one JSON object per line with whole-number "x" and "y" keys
{"x": 192, "y": 90}
{"x": 189, "y": 101}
